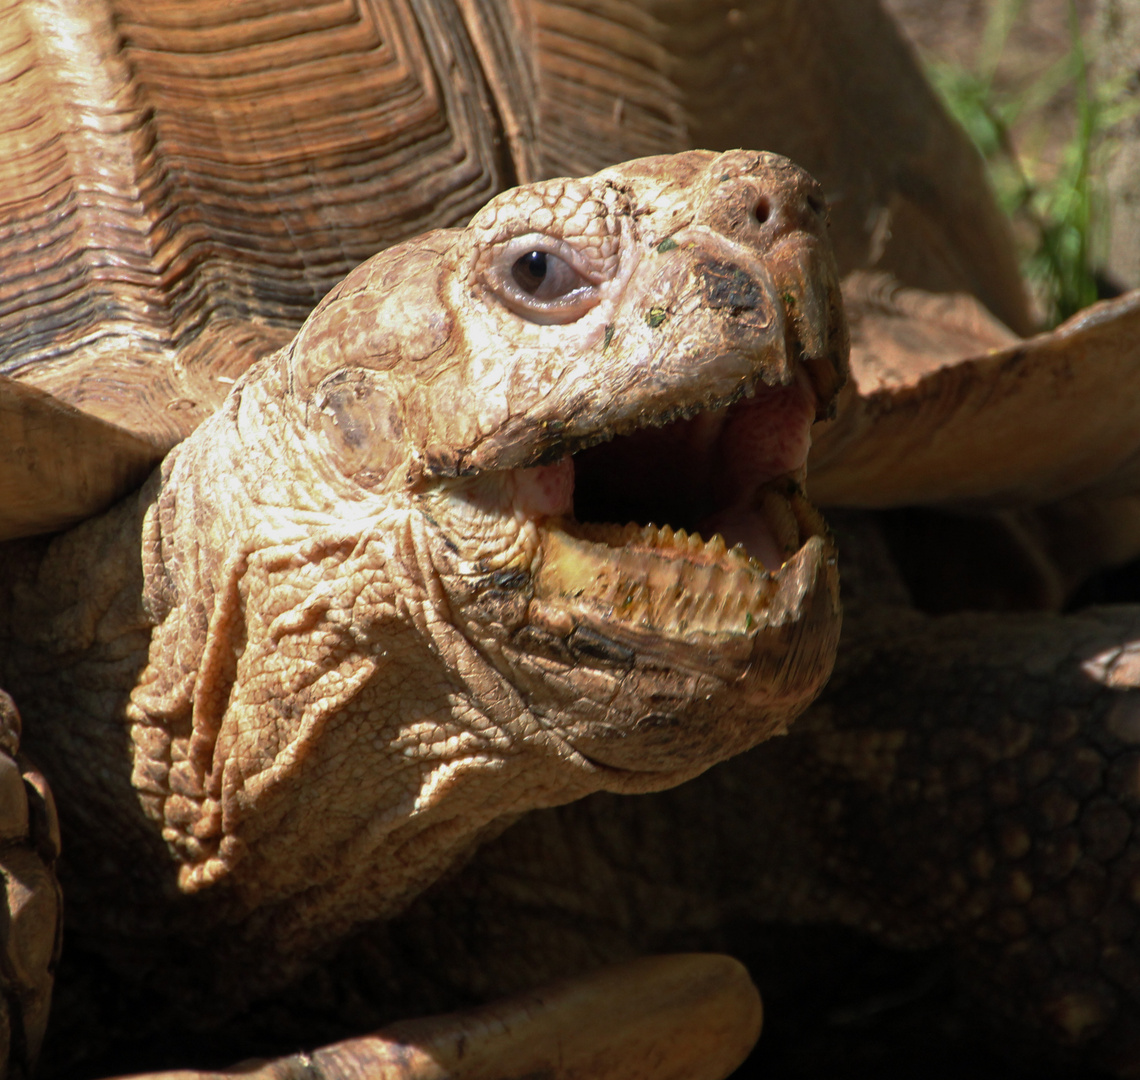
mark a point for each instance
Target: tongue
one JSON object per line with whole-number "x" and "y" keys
{"x": 744, "y": 525}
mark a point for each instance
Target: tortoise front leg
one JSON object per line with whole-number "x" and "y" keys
{"x": 975, "y": 780}
{"x": 691, "y": 1017}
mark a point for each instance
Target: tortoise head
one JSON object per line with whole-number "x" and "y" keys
{"x": 441, "y": 558}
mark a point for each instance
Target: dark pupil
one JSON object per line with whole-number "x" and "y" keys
{"x": 530, "y": 271}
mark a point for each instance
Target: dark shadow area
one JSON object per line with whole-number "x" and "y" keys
{"x": 840, "y": 1007}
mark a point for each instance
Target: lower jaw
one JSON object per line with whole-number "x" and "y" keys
{"x": 675, "y": 584}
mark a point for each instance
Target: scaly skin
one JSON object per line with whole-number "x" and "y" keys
{"x": 352, "y": 626}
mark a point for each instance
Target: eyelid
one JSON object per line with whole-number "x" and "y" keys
{"x": 563, "y": 309}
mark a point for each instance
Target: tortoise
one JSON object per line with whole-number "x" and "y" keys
{"x": 204, "y": 176}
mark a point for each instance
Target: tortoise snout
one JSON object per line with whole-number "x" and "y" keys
{"x": 758, "y": 198}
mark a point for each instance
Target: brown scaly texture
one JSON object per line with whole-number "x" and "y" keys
{"x": 350, "y": 628}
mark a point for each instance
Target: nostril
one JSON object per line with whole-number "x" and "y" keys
{"x": 816, "y": 204}
{"x": 762, "y": 210}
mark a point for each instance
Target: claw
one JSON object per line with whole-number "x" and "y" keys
{"x": 682, "y": 1017}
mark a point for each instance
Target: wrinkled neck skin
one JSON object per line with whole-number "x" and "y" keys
{"x": 318, "y": 729}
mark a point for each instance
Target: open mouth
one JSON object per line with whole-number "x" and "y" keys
{"x": 693, "y": 529}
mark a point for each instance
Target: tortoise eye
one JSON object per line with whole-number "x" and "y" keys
{"x": 543, "y": 279}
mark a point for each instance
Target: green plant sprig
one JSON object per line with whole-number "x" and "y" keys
{"x": 1064, "y": 211}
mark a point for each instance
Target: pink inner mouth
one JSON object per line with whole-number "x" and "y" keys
{"x": 546, "y": 490}
{"x": 707, "y": 473}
